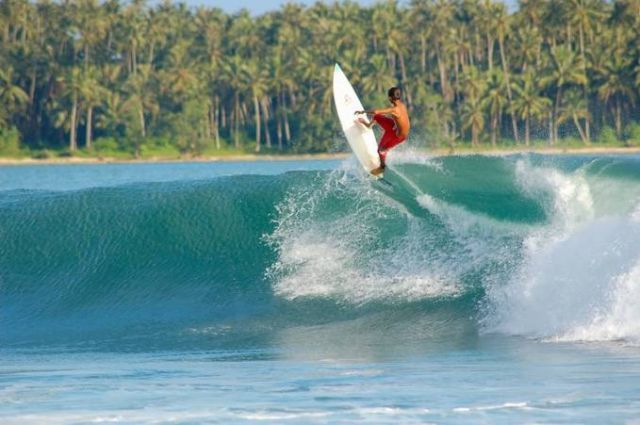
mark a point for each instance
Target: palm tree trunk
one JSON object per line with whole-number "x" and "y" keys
{"x": 494, "y": 129}
{"x": 490, "y": 51}
{"x": 287, "y": 130}
{"x": 456, "y": 78}
{"x": 143, "y": 129}
{"x": 32, "y": 87}
{"x": 587, "y": 124}
{"x": 474, "y": 135}
{"x": 556, "y": 109}
{"x": 618, "y": 118}
{"x": 550, "y": 120}
{"x": 585, "y": 93}
{"x": 292, "y": 96}
{"x": 278, "y": 123}
{"x": 134, "y": 60}
{"x": 443, "y": 78}
{"x": 73, "y": 144}
{"x": 223, "y": 116}
{"x": 583, "y": 136}
{"x": 505, "y": 69}
{"x": 89, "y": 127}
{"x": 216, "y": 123}
{"x": 256, "y": 106}
{"x": 265, "y": 121}
{"x": 236, "y": 120}
{"x": 403, "y": 70}
{"x": 423, "y": 53}
{"x": 213, "y": 121}
{"x": 207, "y": 123}
{"x": 526, "y": 130}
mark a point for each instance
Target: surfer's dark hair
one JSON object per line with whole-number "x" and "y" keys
{"x": 395, "y": 93}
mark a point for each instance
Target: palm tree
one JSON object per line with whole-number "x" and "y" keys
{"x": 279, "y": 85}
{"x": 71, "y": 85}
{"x": 90, "y": 24}
{"x": 501, "y": 21}
{"x": 12, "y": 96}
{"x": 473, "y": 117}
{"x": 495, "y": 100}
{"x": 442, "y": 39}
{"x": 488, "y": 25}
{"x": 132, "y": 22}
{"x": 92, "y": 94}
{"x": 257, "y": 85}
{"x": 114, "y": 117}
{"x": 378, "y": 78}
{"x": 140, "y": 100}
{"x": 575, "y": 108}
{"x": 528, "y": 103}
{"x": 566, "y": 69}
{"x": 616, "y": 85}
{"x": 529, "y": 42}
{"x": 584, "y": 15}
{"x": 474, "y": 86}
{"x": 234, "y": 76}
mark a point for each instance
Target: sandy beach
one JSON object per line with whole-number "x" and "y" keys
{"x": 299, "y": 157}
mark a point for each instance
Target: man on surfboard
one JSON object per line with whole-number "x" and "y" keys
{"x": 395, "y": 123}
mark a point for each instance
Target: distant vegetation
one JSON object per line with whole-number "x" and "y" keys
{"x": 115, "y": 78}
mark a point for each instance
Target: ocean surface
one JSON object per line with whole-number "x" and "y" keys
{"x": 465, "y": 290}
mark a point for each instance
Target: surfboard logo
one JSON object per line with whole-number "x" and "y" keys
{"x": 347, "y": 99}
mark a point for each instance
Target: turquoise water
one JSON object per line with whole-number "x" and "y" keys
{"x": 470, "y": 290}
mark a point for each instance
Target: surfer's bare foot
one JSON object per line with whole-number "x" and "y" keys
{"x": 377, "y": 171}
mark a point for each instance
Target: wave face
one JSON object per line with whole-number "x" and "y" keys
{"x": 547, "y": 247}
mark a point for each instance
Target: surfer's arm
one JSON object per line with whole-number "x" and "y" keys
{"x": 386, "y": 111}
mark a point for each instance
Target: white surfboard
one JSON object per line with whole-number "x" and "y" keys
{"x": 360, "y": 138}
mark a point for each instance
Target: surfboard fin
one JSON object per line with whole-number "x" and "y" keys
{"x": 385, "y": 182}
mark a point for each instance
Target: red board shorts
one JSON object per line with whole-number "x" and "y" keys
{"x": 389, "y": 138}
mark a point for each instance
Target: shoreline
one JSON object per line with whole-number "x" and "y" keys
{"x": 222, "y": 158}
{"x": 319, "y": 156}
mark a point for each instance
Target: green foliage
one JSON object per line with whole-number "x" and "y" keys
{"x": 106, "y": 145}
{"x": 570, "y": 143}
{"x": 161, "y": 147}
{"x": 608, "y": 137}
{"x": 9, "y": 142}
{"x": 41, "y": 154}
{"x": 633, "y": 134}
{"x": 156, "y": 78}
{"x": 315, "y": 135}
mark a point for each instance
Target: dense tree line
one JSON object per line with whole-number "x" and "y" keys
{"x": 76, "y": 71}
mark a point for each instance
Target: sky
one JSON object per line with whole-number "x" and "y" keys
{"x": 257, "y": 7}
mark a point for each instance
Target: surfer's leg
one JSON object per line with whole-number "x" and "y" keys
{"x": 389, "y": 127}
{"x": 388, "y": 141}
{"x": 387, "y": 124}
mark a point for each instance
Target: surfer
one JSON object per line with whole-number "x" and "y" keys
{"x": 395, "y": 123}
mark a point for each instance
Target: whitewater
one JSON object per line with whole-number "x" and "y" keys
{"x": 476, "y": 289}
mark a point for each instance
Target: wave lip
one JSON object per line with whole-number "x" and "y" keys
{"x": 578, "y": 276}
